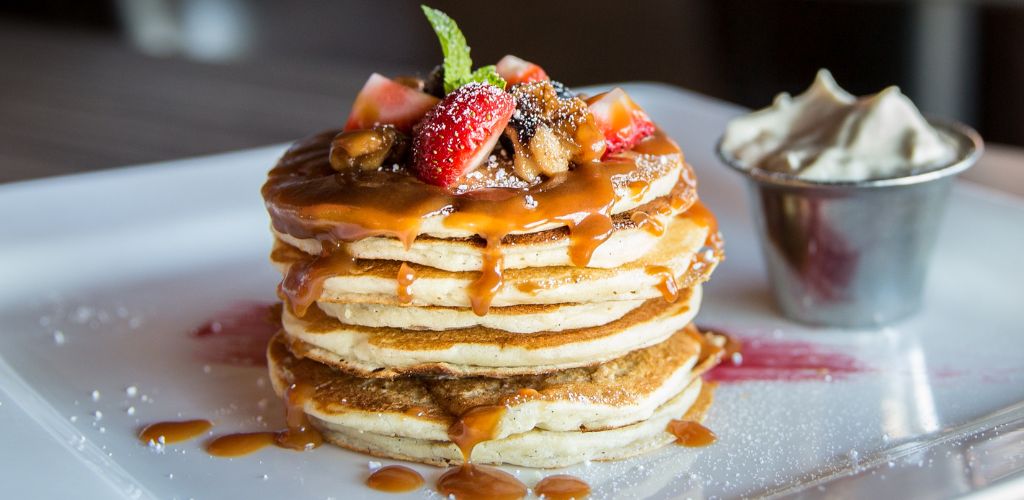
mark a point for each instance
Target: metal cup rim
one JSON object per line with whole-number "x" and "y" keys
{"x": 969, "y": 142}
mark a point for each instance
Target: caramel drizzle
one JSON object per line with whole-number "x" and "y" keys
{"x": 688, "y": 430}
{"x": 304, "y": 282}
{"x": 648, "y": 223}
{"x": 173, "y": 432}
{"x": 668, "y": 286}
{"x": 474, "y": 426}
{"x": 562, "y": 487}
{"x": 395, "y": 479}
{"x": 307, "y": 199}
{"x": 406, "y": 277}
{"x": 299, "y": 435}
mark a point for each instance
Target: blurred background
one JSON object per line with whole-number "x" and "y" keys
{"x": 95, "y": 84}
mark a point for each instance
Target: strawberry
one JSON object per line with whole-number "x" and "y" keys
{"x": 515, "y": 70}
{"x": 459, "y": 133}
{"x": 622, "y": 122}
{"x": 386, "y": 102}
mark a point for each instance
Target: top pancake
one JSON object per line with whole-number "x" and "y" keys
{"x": 308, "y": 199}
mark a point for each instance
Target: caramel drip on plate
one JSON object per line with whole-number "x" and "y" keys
{"x": 173, "y": 432}
{"x": 691, "y": 434}
{"x": 688, "y": 430}
{"x": 395, "y": 479}
{"x": 236, "y": 445}
{"x": 469, "y": 481}
{"x": 304, "y": 281}
{"x": 307, "y": 199}
{"x": 298, "y": 435}
{"x": 668, "y": 286}
{"x": 406, "y": 277}
{"x": 477, "y": 482}
{"x": 562, "y": 487}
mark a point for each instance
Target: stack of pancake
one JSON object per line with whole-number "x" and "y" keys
{"x": 408, "y": 309}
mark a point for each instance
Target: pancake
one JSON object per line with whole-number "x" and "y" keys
{"x": 389, "y": 352}
{"x": 684, "y": 242}
{"x": 621, "y": 405}
{"x": 307, "y": 199}
{"x": 635, "y": 232}
{"x": 514, "y": 319}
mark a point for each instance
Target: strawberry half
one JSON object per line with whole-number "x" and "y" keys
{"x": 459, "y": 133}
{"x": 622, "y": 122}
{"x": 515, "y": 70}
{"x": 383, "y": 101}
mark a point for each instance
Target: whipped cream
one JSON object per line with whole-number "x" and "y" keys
{"x": 829, "y": 135}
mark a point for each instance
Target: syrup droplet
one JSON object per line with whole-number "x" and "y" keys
{"x": 562, "y": 487}
{"x": 473, "y": 482}
{"x": 303, "y": 283}
{"x": 395, "y": 479}
{"x": 236, "y": 445}
{"x": 174, "y": 432}
{"x": 406, "y": 277}
{"x": 668, "y": 286}
{"x": 300, "y": 434}
{"x": 476, "y": 425}
{"x": 690, "y": 433}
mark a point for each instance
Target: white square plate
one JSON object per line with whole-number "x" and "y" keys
{"x": 105, "y": 275}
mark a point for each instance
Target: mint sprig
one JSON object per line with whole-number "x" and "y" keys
{"x": 457, "y": 63}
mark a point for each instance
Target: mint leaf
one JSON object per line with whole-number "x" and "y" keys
{"x": 488, "y": 74}
{"x": 457, "y": 62}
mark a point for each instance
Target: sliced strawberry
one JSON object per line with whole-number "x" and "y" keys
{"x": 459, "y": 133}
{"x": 386, "y": 102}
{"x": 622, "y": 122}
{"x": 515, "y": 70}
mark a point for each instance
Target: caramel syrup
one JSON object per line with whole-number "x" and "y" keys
{"x": 668, "y": 286}
{"x": 562, "y": 487}
{"x": 688, "y": 430}
{"x": 236, "y": 445}
{"x": 476, "y": 425}
{"x": 638, "y": 189}
{"x": 648, "y": 223}
{"x": 307, "y": 199}
{"x": 476, "y": 482}
{"x": 395, "y": 479}
{"x": 469, "y": 481}
{"x": 707, "y": 349}
{"x": 530, "y": 287}
{"x": 300, "y": 434}
{"x": 691, "y": 434}
{"x": 173, "y": 432}
{"x": 304, "y": 281}
{"x": 406, "y": 277}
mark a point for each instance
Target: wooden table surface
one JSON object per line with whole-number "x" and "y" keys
{"x": 73, "y": 102}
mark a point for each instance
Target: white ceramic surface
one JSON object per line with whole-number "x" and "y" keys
{"x": 125, "y": 263}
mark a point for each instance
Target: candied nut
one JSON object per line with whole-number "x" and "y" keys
{"x": 550, "y": 129}
{"x": 367, "y": 149}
